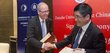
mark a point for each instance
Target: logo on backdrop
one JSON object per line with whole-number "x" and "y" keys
{"x": 23, "y": 7}
{"x": 80, "y": 1}
{"x": 34, "y": 6}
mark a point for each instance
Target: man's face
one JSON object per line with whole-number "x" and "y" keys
{"x": 80, "y": 20}
{"x": 43, "y": 11}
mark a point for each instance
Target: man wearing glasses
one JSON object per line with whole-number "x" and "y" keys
{"x": 85, "y": 35}
{"x": 37, "y": 28}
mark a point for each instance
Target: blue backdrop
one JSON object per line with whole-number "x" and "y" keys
{"x": 26, "y": 10}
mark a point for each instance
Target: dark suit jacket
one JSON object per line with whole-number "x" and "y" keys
{"x": 34, "y": 35}
{"x": 93, "y": 40}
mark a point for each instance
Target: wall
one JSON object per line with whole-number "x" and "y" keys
{"x": 6, "y": 20}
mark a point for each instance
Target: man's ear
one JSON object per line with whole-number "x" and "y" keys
{"x": 87, "y": 17}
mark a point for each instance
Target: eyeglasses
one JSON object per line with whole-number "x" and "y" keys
{"x": 47, "y": 11}
{"x": 77, "y": 16}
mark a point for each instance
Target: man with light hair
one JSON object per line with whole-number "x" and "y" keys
{"x": 37, "y": 28}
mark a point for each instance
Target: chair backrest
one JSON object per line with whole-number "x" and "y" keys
{"x": 4, "y": 48}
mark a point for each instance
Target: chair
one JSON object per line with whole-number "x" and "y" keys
{"x": 4, "y": 47}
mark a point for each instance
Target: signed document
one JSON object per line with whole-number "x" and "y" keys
{"x": 70, "y": 50}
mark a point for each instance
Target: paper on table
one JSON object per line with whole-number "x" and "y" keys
{"x": 66, "y": 50}
{"x": 70, "y": 50}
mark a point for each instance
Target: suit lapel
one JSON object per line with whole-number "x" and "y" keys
{"x": 47, "y": 25}
{"x": 86, "y": 35}
{"x": 74, "y": 33}
{"x": 39, "y": 26}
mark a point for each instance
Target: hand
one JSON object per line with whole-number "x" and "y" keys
{"x": 78, "y": 49}
{"x": 55, "y": 40}
{"x": 48, "y": 46}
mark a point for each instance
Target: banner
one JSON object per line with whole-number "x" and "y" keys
{"x": 64, "y": 18}
{"x": 26, "y": 10}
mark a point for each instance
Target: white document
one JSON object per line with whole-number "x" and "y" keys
{"x": 70, "y": 50}
{"x": 66, "y": 50}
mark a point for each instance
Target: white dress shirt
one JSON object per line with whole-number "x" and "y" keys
{"x": 84, "y": 28}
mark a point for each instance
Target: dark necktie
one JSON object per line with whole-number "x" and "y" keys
{"x": 75, "y": 45}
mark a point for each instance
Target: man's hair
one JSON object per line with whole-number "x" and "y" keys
{"x": 84, "y": 9}
{"x": 41, "y": 3}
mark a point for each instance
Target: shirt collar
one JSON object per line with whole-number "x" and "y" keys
{"x": 41, "y": 19}
{"x": 86, "y": 26}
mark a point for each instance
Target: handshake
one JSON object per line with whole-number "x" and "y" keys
{"x": 48, "y": 46}
{"x": 46, "y": 42}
